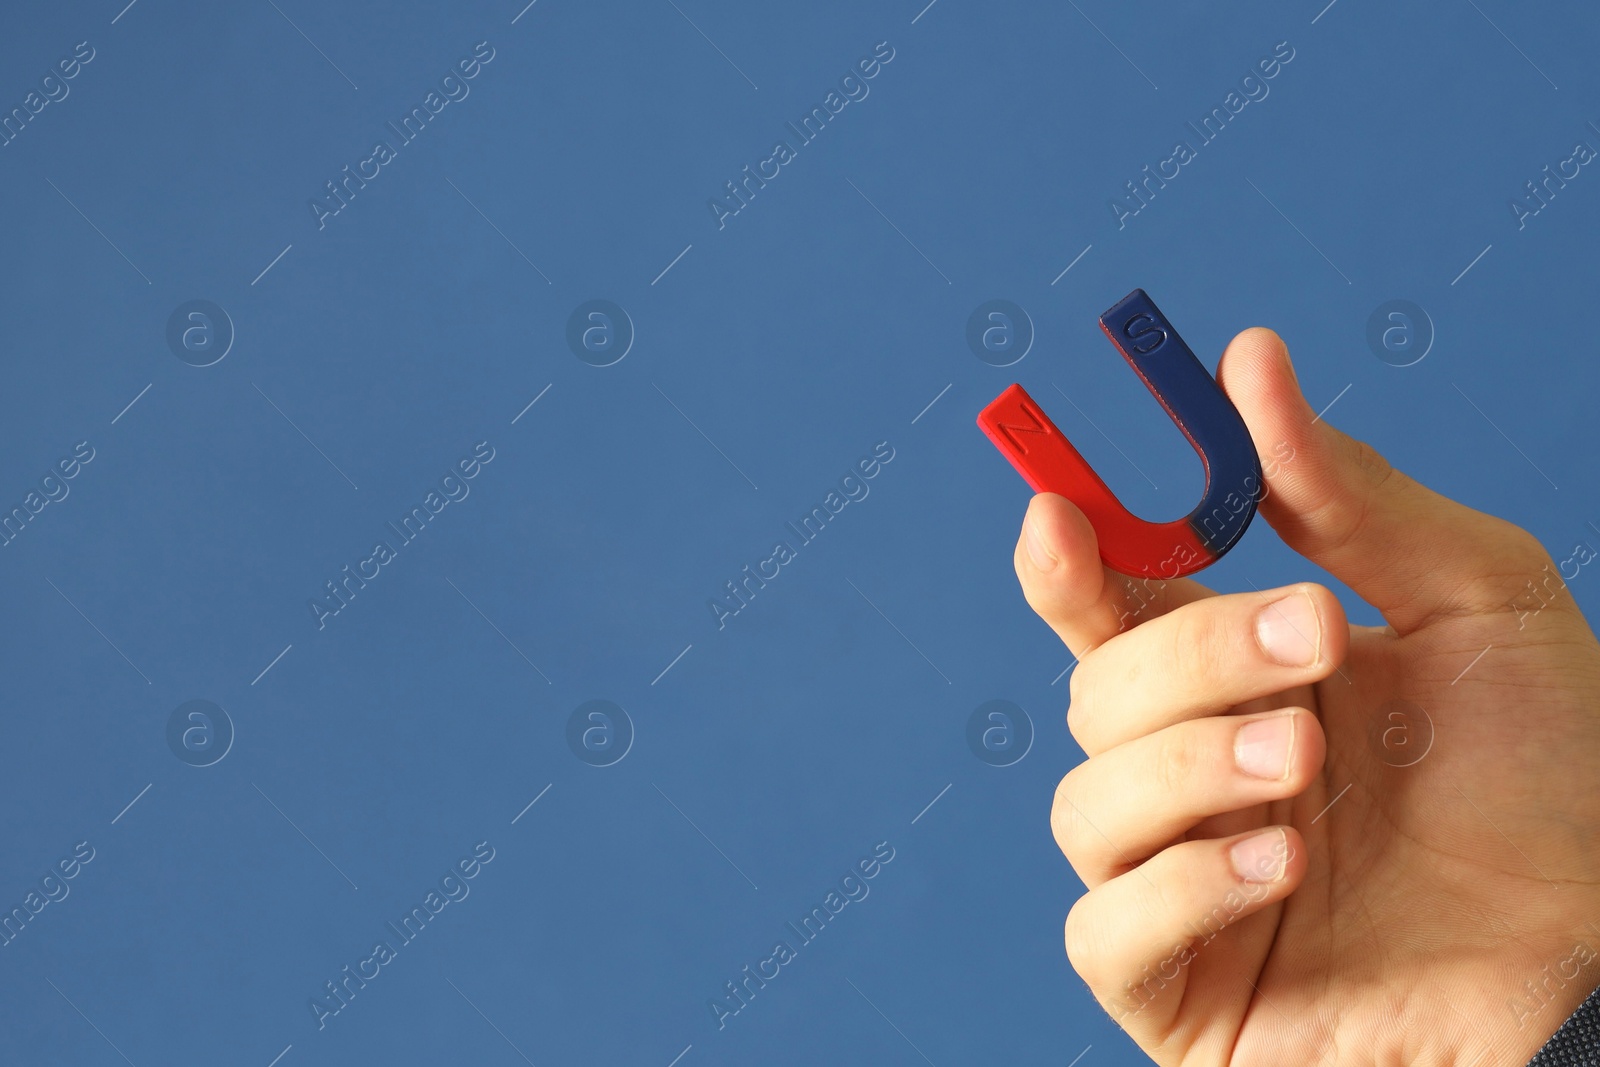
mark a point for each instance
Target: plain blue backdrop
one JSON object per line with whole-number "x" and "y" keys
{"x": 768, "y": 756}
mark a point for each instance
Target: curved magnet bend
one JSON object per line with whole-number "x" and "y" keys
{"x": 1193, "y": 400}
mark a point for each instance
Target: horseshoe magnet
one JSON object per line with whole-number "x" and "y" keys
{"x": 1193, "y": 400}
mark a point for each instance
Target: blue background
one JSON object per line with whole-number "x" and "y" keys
{"x": 828, "y": 714}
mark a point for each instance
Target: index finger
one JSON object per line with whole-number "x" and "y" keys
{"x": 1085, "y": 602}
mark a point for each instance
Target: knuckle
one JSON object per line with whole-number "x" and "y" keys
{"x": 1066, "y": 819}
{"x": 1036, "y": 597}
{"x": 1039, "y": 600}
{"x": 1525, "y": 551}
{"x": 1199, "y": 647}
{"x": 1080, "y": 701}
{"x": 1077, "y": 833}
{"x": 1155, "y": 903}
{"x": 1080, "y": 680}
{"x": 1075, "y": 724}
{"x": 1042, "y": 595}
{"x": 1371, "y": 463}
{"x": 1337, "y": 523}
{"x": 1084, "y": 938}
{"x": 1523, "y": 577}
{"x": 1177, "y": 762}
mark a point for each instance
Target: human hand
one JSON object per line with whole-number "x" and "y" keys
{"x": 1441, "y": 910}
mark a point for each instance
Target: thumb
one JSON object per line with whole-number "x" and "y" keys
{"x": 1411, "y": 553}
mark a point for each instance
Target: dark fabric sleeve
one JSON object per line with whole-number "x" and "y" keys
{"x": 1577, "y": 1043}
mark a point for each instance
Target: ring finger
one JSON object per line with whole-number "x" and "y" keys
{"x": 1123, "y": 806}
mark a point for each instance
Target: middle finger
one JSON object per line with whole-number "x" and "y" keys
{"x": 1203, "y": 658}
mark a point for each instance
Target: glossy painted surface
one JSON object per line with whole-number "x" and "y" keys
{"x": 1194, "y": 401}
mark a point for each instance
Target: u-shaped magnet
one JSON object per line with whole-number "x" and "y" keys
{"x": 1193, "y": 400}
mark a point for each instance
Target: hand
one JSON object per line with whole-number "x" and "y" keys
{"x": 1285, "y": 864}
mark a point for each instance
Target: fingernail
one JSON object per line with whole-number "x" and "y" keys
{"x": 1290, "y": 631}
{"x": 1260, "y": 859}
{"x": 1261, "y": 747}
{"x": 1043, "y": 559}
